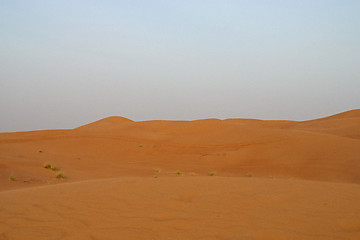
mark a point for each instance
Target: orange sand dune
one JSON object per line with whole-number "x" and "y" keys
{"x": 150, "y": 180}
{"x": 183, "y": 208}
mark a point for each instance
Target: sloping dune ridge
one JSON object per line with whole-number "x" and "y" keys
{"x": 236, "y": 179}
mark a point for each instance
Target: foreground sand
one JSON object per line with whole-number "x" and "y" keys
{"x": 183, "y": 208}
{"x": 274, "y": 180}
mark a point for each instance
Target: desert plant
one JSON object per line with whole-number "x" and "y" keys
{"x": 12, "y": 178}
{"x": 179, "y": 173}
{"x": 47, "y": 165}
{"x": 249, "y": 174}
{"x": 158, "y": 170}
{"x": 155, "y": 176}
{"x": 54, "y": 167}
{"x": 60, "y": 175}
{"x": 212, "y": 173}
{"x": 192, "y": 174}
{"x": 40, "y": 151}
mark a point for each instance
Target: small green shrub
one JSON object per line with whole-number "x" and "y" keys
{"x": 12, "y": 178}
{"x": 54, "y": 168}
{"x": 60, "y": 175}
{"x": 249, "y": 174}
{"x": 47, "y": 165}
{"x": 179, "y": 173}
{"x": 158, "y": 170}
{"x": 40, "y": 151}
{"x": 212, "y": 173}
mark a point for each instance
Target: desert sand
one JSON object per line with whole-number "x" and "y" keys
{"x": 236, "y": 179}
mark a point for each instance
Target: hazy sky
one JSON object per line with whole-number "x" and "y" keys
{"x": 67, "y": 63}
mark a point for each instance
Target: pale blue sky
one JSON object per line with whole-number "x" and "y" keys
{"x": 67, "y": 63}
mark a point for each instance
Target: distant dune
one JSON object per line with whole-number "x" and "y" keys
{"x": 151, "y": 180}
